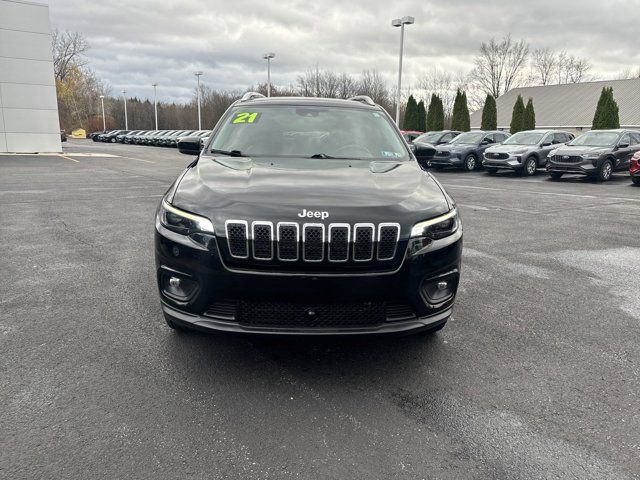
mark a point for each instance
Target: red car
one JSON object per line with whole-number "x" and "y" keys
{"x": 634, "y": 169}
{"x": 410, "y": 135}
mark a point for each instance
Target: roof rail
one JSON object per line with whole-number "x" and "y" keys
{"x": 363, "y": 99}
{"x": 250, "y": 96}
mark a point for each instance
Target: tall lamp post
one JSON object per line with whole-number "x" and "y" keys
{"x": 197, "y": 74}
{"x": 400, "y": 22}
{"x": 104, "y": 122}
{"x": 268, "y": 57}
{"x": 126, "y": 120}
{"x": 155, "y": 104}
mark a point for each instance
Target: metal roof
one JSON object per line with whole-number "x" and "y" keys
{"x": 569, "y": 105}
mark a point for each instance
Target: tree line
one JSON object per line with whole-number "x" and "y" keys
{"x": 499, "y": 66}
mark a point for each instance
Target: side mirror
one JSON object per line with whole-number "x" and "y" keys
{"x": 189, "y": 145}
{"x": 623, "y": 145}
{"x": 547, "y": 144}
{"x": 484, "y": 142}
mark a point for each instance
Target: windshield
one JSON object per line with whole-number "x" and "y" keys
{"x": 308, "y": 131}
{"x": 429, "y": 137}
{"x": 524, "y": 138}
{"x": 469, "y": 137}
{"x": 596, "y": 139}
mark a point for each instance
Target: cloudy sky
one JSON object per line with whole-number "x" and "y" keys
{"x": 135, "y": 43}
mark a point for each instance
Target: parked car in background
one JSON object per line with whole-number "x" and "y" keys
{"x": 634, "y": 169}
{"x": 410, "y": 135}
{"x": 63, "y": 136}
{"x": 121, "y": 135}
{"x": 525, "y": 151}
{"x": 437, "y": 138}
{"x": 466, "y": 150}
{"x": 597, "y": 154}
{"x": 173, "y": 141}
{"x": 111, "y": 136}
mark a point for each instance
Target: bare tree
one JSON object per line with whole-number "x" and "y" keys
{"x": 571, "y": 69}
{"x": 499, "y": 65}
{"x": 543, "y": 65}
{"x": 69, "y": 50}
{"x": 373, "y": 84}
{"x": 628, "y": 73}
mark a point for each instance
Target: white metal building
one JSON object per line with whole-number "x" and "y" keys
{"x": 28, "y": 107}
{"x": 569, "y": 106}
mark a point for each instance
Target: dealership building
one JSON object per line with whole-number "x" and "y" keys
{"x": 28, "y": 106}
{"x": 569, "y": 106}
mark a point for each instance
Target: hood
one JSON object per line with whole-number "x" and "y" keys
{"x": 454, "y": 147}
{"x": 580, "y": 150}
{"x": 278, "y": 189}
{"x": 510, "y": 148}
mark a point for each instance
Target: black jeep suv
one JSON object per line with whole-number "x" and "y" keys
{"x": 306, "y": 216}
{"x": 597, "y": 154}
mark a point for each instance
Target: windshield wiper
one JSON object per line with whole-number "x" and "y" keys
{"x": 230, "y": 153}
{"x": 321, "y": 155}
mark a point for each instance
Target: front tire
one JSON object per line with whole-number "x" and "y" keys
{"x": 636, "y": 180}
{"x": 470, "y": 163}
{"x": 530, "y": 167}
{"x": 605, "y": 171}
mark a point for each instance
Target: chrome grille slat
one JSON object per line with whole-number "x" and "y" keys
{"x": 339, "y": 236}
{"x": 262, "y": 240}
{"x": 238, "y": 238}
{"x": 288, "y": 237}
{"x": 363, "y": 241}
{"x": 313, "y": 242}
{"x": 388, "y": 236}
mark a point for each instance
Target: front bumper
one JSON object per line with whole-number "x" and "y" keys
{"x": 585, "y": 167}
{"x": 221, "y": 296}
{"x": 513, "y": 162}
{"x": 449, "y": 161}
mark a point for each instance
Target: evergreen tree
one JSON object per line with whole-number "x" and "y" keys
{"x": 597, "y": 117}
{"x": 431, "y": 113}
{"x": 489, "y": 114}
{"x": 517, "y": 117}
{"x": 456, "y": 114}
{"x": 607, "y": 112}
{"x": 465, "y": 118}
{"x": 438, "y": 119}
{"x": 529, "y": 118}
{"x": 422, "y": 117}
{"x": 410, "y": 114}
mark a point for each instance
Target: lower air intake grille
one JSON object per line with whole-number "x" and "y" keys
{"x": 281, "y": 314}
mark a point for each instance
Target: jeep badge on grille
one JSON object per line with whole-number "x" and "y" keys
{"x": 313, "y": 214}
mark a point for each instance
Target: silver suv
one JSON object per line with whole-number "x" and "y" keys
{"x": 524, "y": 151}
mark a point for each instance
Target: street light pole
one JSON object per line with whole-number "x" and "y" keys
{"x": 155, "y": 104}
{"x": 104, "y": 122}
{"x": 126, "y": 120}
{"x": 268, "y": 57}
{"x": 400, "y": 22}
{"x": 197, "y": 74}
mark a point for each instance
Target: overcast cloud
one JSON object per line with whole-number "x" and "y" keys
{"x": 135, "y": 43}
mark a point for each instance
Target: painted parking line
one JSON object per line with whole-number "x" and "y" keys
{"x": 68, "y": 158}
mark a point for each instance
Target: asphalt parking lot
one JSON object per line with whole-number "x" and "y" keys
{"x": 536, "y": 376}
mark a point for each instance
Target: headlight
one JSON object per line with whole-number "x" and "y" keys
{"x": 438, "y": 227}
{"x": 182, "y": 222}
{"x": 518, "y": 152}
{"x": 591, "y": 155}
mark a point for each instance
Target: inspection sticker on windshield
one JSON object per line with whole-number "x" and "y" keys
{"x": 390, "y": 154}
{"x": 245, "y": 117}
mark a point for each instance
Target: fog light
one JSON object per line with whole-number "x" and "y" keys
{"x": 437, "y": 291}
{"x": 180, "y": 288}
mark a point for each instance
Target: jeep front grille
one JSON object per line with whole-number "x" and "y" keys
{"x": 312, "y": 242}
